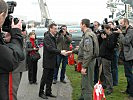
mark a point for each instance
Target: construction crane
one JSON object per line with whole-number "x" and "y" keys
{"x": 45, "y": 16}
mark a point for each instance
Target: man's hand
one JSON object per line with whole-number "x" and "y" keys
{"x": 63, "y": 52}
{"x": 83, "y": 71}
{"x": 69, "y": 52}
{"x": 36, "y": 49}
{"x": 119, "y": 31}
{"x": 104, "y": 36}
{"x": 64, "y": 33}
{"x": 7, "y": 37}
{"x": 18, "y": 25}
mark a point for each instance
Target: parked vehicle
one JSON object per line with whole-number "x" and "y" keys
{"x": 76, "y": 34}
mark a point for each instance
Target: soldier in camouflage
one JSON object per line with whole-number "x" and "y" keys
{"x": 88, "y": 50}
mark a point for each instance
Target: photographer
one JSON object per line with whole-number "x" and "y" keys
{"x": 106, "y": 52}
{"x": 98, "y": 60}
{"x": 126, "y": 39}
{"x": 114, "y": 62}
{"x": 63, "y": 42}
{"x": 11, "y": 53}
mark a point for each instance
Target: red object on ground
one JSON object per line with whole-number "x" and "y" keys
{"x": 98, "y": 92}
{"x": 79, "y": 67}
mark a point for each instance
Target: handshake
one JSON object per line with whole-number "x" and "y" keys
{"x": 66, "y": 53}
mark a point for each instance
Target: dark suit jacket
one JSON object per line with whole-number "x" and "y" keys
{"x": 50, "y": 51}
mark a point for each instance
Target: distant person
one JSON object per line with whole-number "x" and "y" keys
{"x": 88, "y": 50}
{"x": 50, "y": 53}
{"x": 32, "y": 48}
{"x": 63, "y": 42}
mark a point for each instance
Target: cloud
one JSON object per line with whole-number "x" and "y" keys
{"x": 64, "y": 10}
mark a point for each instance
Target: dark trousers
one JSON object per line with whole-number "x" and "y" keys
{"x": 128, "y": 66}
{"x": 4, "y": 86}
{"x": 64, "y": 60}
{"x": 114, "y": 67}
{"x": 16, "y": 77}
{"x": 108, "y": 82}
{"x": 96, "y": 72}
{"x": 32, "y": 71}
{"x": 47, "y": 78}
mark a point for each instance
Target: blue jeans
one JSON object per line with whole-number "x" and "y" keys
{"x": 64, "y": 60}
{"x": 128, "y": 67}
{"x": 114, "y": 67}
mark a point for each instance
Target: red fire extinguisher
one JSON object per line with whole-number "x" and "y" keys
{"x": 71, "y": 56}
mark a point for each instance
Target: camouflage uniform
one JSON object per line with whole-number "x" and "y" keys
{"x": 86, "y": 57}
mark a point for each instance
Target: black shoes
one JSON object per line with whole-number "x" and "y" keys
{"x": 63, "y": 81}
{"x": 54, "y": 81}
{"x": 31, "y": 82}
{"x": 43, "y": 96}
{"x": 51, "y": 95}
{"x": 81, "y": 98}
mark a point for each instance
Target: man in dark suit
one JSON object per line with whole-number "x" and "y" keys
{"x": 49, "y": 61}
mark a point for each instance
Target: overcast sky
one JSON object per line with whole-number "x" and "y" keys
{"x": 63, "y": 10}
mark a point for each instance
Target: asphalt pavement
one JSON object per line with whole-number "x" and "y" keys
{"x": 30, "y": 92}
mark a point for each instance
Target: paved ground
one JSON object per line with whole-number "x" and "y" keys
{"x": 30, "y": 92}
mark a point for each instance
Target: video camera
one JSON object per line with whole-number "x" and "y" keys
{"x": 8, "y": 21}
{"x": 102, "y": 31}
{"x": 117, "y": 26}
{"x": 91, "y": 26}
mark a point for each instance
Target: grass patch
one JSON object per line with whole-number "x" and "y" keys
{"x": 75, "y": 79}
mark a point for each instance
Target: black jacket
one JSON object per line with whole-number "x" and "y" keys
{"x": 108, "y": 45}
{"x": 12, "y": 53}
{"x": 50, "y": 51}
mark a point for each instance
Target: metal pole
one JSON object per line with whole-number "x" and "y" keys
{"x": 112, "y": 15}
{"x": 125, "y": 10}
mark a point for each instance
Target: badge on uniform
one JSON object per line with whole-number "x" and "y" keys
{"x": 87, "y": 41}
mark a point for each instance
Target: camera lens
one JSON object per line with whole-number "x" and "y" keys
{"x": 16, "y": 20}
